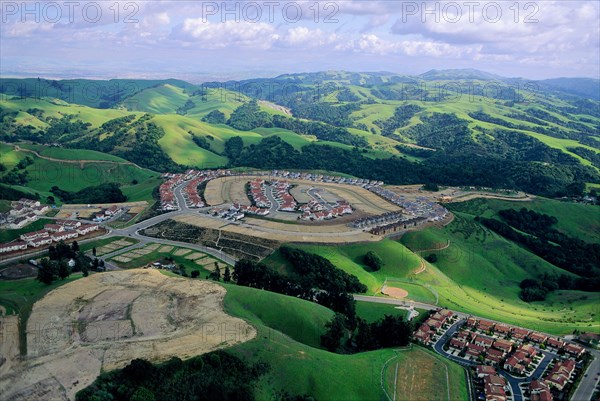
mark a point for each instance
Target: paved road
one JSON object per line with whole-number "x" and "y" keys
{"x": 588, "y": 383}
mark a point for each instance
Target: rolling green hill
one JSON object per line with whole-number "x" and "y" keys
{"x": 72, "y": 175}
{"x": 288, "y": 331}
{"x": 535, "y": 136}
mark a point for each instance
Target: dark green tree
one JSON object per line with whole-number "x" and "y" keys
{"x": 227, "y": 275}
{"x": 373, "y": 260}
{"x": 47, "y": 271}
{"x": 336, "y": 332}
{"x": 64, "y": 270}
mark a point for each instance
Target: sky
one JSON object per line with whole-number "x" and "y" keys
{"x": 205, "y": 40}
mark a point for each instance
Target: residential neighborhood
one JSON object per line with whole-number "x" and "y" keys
{"x": 506, "y": 359}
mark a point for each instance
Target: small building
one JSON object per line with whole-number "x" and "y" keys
{"x": 13, "y": 246}
{"x": 503, "y": 345}
{"x": 484, "y": 370}
{"x": 538, "y": 338}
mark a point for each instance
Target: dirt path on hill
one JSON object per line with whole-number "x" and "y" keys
{"x": 81, "y": 162}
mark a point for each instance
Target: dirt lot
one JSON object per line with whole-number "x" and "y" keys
{"x": 67, "y": 211}
{"x": 283, "y": 232}
{"x": 104, "y": 321}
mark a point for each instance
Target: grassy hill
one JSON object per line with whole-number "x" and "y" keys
{"x": 287, "y": 331}
{"x": 546, "y": 129}
{"x": 480, "y": 272}
{"x": 71, "y": 175}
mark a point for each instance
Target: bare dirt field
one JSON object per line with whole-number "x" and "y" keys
{"x": 395, "y": 292}
{"x": 282, "y": 232}
{"x": 67, "y": 211}
{"x": 104, "y": 321}
{"x": 456, "y": 194}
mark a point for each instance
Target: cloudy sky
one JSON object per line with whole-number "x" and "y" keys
{"x": 204, "y": 40}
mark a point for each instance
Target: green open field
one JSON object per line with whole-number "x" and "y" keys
{"x": 179, "y": 260}
{"x": 72, "y": 154}
{"x": 423, "y": 376}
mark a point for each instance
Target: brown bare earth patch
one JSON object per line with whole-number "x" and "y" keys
{"x": 394, "y": 292}
{"x": 104, "y": 321}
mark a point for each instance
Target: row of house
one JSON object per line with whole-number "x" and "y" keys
{"x": 285, "y": 200}
{"x": 166, "y": 191}
{"x": 521, "y": 359}
{"x": 518, "y": 333}
{"x": 246, "y": 209}
{"x": 190, "y": 192}
{"x": 420, "y": 207}
{"x": 51, "y": 233}
{"x": 433, "y": 325}
{"x": 106, "y": 213}
{"x": 256, "y": 193}
{"x": 322, "y": 178}
{"x": 341, "y": 208}
{"x": 539, "y": 391}
{"x": 378, "y": 220}
{"x": 560, "y": 374}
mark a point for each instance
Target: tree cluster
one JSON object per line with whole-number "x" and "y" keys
{"x": 373, "y": 260}
{"x": 390, "y": 331}
{"x": 213, "y": 376}
{"x": 57, "y": 264}
{"x": 103, "y": 193}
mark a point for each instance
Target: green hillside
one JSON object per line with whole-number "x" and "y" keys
{"x": 70, "y": 175}
{"x": 287, "y": 327}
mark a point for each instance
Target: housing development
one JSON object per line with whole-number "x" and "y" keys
{"x": 300, "y": 200}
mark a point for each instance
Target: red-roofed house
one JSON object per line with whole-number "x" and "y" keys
{"x": 484, "y": 370}
{"x": 539, "y": 391}
{"x": 519, "y": 333}
{"x": 502, "y": 328}
{"x": 538, "y": 337}
{"x": 503, "y": 345}
{"x": 555, "y": 343}
{"x": 574, "y": 349}
{"x": 457, "y": 344}
{"x": 474, "y": 350}
{"x": 483, "y": 341}
{"x": 486, "y": 325}
{"x": 13, "y": 246}
{"x": 494, "y": 356}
